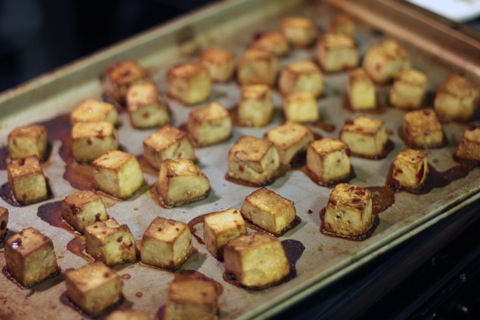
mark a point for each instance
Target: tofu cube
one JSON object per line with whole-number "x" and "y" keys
{"x": 92, "y": 110}
{"x": 253, "y": 160}
{"x": 110, "y": 242}
{"x": 255, "y": 108}
{"x": 258, "y": 67}
{"x": 167, "y": 143}
{"x": 117, "y": 173}
{"x": 328, "y": 160}
{"x": 92, "y": 139}
{"x": 469, "y": 146}
{"x": 189, "y": 83}
{"x": 146, "y": 108}
{"x": 301, "y": 76}
{"x": 349, "y": 211}
{"x": 408, "y": 89}
{"x": 180, "y": 182}
{"x": 342, "y": 24}
{"x": 365, "y": 136}
{"x": 221, "y": 227}
{"x": 301, "y": 107}
{"x": 27, "y": 180}
{"x": 127, "y": 314}
{"x": 272, "y": 41}
{"x": 30, "y": 257}
{"x": 3, "y": 222}
{"x": 410, "y": 168}
{"x": 337, "y": 52}
{"x": 421, "y": 129}
{"x": 291, "y": 141}
{"x": 456, "y": 99}
{"x": 384, "y": 61}
{"x": 119, "y": 76}
{"x": 299, "y": 31}
{"x": 166, "y": 243}
{"x": 209, "y": 125}
{"x": 256, "y": 260}
{"x": 27, "y": 141}
{"x": 221, "y": 64}
{"x": 83, "y": 208}
{"x": 93, "y": 287}
{"x": 361, "y": 91}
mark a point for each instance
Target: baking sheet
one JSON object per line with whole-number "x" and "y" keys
{"x": 324, "y": 258}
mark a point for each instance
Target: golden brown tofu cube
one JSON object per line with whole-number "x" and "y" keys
{"x": 166, "y": 243}
{"x": 384, "y": 61}
{"x": 127, "y": 315}
{"x": 145, "y": 106}
{"x": 117, "y": 173}
{"x": 256, "y": 260}
{"x": 349, "y": 211}
{"x": 209, "y": 125}
{"x": 456, "y": 99}
{"x": 93, "y": 287}
{"x": 220, "y": 63}
{"x": 301, "y": 76}
{"x": 336, "y": 52}
{"x": 410, "y": 168}
{"x": 258, "y": 67}
{"x": 469, "y": 146}
{"x": 361, "y": 91}
{"x": 256, "y": 106}
{"x": 180, "y": 182}
{"x": 365, "y": 136}
{"x": 92, "y": 139}
{"x": 342, "y": 24}
{"x": 329, "y": 160}
{"x": 421, "y": 129}
{"x": 299, "y": 31}
{"x": 92, "y": 110}
{"x": 301, "y": 107}
{"x": 189, "y": 83}
{"x": 120, "y": 76}
{"x": 408, "y": 89}
{"x": 30, "y": 257}
{"x": 27, "y": 141}
{"x": 272, "y": 41}
{"x": 27, "y": 180}
{"x": 221, "y": 227}
{"x": 3, "y": 222}
{"x": 83, "y": 208}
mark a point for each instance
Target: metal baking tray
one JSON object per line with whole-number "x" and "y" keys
{"x": 232, "y": 24}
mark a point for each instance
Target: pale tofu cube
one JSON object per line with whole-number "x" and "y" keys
{"x": 272, "y": 41}
{"x": 209, "y": 125}
{"x": 92, "y": 110}
{"x": 127, "y": 314}
{"x": 361, "y": 91}
{"x": 30, "y": 257}
{"x": 166, "y": 243}
{"x": 328, "y": 160}
{"x": 256, "y": 107}
{"x": 119, "y": 76}
{"x": 168, "y": 143}
{"x": 256, "y": 260}
{"x": 221, "y": 227}
{"x": 301, "y": 76}
{"x": 27, "y": 141}
{"x": 408, "y": 89}
{"x": 342, "y": 24}
{"x": 253, "y": 160}
{"x": 384, "y": 61}
{"x": 349, "y": 211}
{"x": 365, "y": 136}
{"x": 258, "y": 67}
{"x": 189, "y": 83}
{"x": 456, "y": 99}
{"x": 180, "y": 182}
{"x": 27, "y": 180}
{"x": 93, "y": 287}
{"x": 221, "y": 64}
{"x": 110, "y": 242}
{"x": 83, "y": 208}
{"x": 299, "y": 31}
{"x": 117, "y": 173}
{"x": 301, "y": 107}
{"x": 92, "y": 139}
{"x": 410, "y": 168}
{"x": 421, "y": 129}
{"x": 337, "y": 52}
{"x": 469, "y": 146}
{"x": 3, "y": 222}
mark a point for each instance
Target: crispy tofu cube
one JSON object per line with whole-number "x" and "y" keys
{"x": 272, "y": 41}
{"x": 421, "y": 129}
{"x": 146, "y": 108}
{"x": 83, "y": 208}
{"x": 258, "y": 67}
{"x": 221, "y": 227}
{"x": 469, "y": 146}
{"x": 92, "y": 110}
{"x": 93, "y": 287}
{"x": 180, "y": 182}
{"x": 30, "y": 257}
{"x": 384, "y": 61}
{"x": 166, "y": 243}
{"x": 361, "y": 91}
{"x": 27, "y": 141}
{"x": 408, "y": 89}
{"x": 92, "y": 139}
{"x": 365, "y": 136}
{"x": 349, "y": 211}
{"x": 256, "y": 106}
{"x": 410, "y": 168}
{"x": 253, "y": 160}
{"x": 291, "y": 140}
{"x": 189, "y": 83}
{"x": 27, "y": 180}
{"x": 110, "y": 242}
{"x": 456, "y": 99}
{"x": 120, "y": 76}
{"x": 256, "y": 260}
{"x": 337, "y": 52}
{"x": 301, "y": 76}
{"x": 301, "y": 107}
{"x": 117, "y": 173}
{"x": 167, "y": 143}
{"x": 209, "y": 125}
{"x": 342, "y": 24}
{"x": 3, "y": 222}
{"x": 220, "y": 63}
{"x": 329, "y": 160}
{"x": 299, "y": 31}
{"x": 127, "y": 315}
